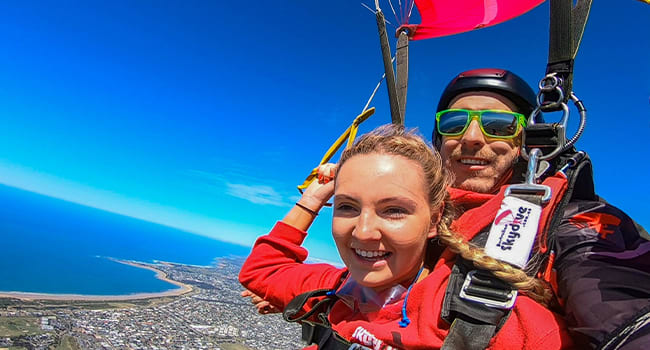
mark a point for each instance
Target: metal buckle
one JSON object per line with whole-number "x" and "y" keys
{"x": 530, "y": 187}
{"x": 544, "y": 190}
{"x": 507, "y": 304}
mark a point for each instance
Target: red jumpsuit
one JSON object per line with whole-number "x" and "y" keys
{"x": 275, "y": 271}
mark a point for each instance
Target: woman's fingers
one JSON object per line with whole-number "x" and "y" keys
{"x": 326, "y": 173}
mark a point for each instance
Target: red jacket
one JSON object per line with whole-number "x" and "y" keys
{"x": 275, "y": 271}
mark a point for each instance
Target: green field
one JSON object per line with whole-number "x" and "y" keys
{"x": 16, "y": 326}
{"x": 68, "y": 343}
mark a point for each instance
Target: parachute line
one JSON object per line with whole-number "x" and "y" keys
{"x": 372, "y": 96}
{"x": 368, "y": 7}
{"x": 390, "y": 2}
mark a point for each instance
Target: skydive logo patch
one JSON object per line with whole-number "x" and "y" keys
{"x": 513, "y": 231}
{"x": 512, "y": 224}
{"x": 505, "y": 215}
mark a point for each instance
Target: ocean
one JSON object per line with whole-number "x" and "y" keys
{"x": 49, "y": 245}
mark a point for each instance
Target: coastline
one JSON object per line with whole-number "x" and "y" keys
{"x": 161, "y": 275}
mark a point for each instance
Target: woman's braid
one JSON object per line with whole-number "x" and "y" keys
{"x": 536, "y": 289}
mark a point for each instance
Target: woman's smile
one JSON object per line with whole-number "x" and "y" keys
{"x": 382, "y": 218}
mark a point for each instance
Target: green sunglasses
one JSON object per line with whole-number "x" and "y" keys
{"x": 493, "y": 123}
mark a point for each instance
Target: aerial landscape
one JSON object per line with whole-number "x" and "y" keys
{"x": 146, "y": 145}
{"x": 208, "y": 313}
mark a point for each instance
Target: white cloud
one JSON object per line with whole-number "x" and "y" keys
{"x": 258, "y": 194}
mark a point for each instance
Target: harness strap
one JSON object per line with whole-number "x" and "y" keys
{"x": 468, "y": 335}
{"x": 297, "y": 303}
{"x": 567, "y": 25}
{"x": 473, "y": 324}
{"x": 402, "y": 69}
{"x": 395, "y": 114}
{"x": 324, "y": 336}
{"x": 318, "y": 332}
{"x": 477, "y": 303}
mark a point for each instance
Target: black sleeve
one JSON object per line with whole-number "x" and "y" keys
{"x": 603, "y": 276}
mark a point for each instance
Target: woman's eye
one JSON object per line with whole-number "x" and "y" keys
{"x": 396, "y": 212}
{"x": 344, "y": 207}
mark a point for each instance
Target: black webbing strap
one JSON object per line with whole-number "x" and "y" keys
{"x": 402, "y": 70}
{"x": 323, "y": 336}
{"x": 296, "y": 304}
{"x": 388, "y": 69}
{"x": 567, "y": 25}
{"x": 472, "y": 324}
{"x": 321, "y": 332}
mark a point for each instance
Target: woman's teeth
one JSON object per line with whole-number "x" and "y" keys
{"x": 371, "y": 254}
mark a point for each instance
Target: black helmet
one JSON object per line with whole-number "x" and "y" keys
{"x": 500, "y": 81}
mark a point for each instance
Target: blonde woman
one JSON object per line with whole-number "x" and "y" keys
{"x": 390, "y": 213}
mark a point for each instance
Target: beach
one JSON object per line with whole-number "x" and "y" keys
{"x": 161, "y": 275}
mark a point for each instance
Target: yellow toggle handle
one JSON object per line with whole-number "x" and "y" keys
{"x": 350, "y": 134}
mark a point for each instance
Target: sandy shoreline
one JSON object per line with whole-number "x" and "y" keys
{"x": 183, "y": 288}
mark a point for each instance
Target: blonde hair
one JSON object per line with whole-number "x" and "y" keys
{"x": 397, "y": 140}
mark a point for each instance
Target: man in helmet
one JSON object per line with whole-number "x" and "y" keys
{"x": 600, "y": 269}
{"x": 602, "y": 263}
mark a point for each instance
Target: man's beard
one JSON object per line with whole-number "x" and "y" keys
{"x": 478, "y": 186}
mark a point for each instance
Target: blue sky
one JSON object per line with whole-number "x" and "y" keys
{"x": 205, "y": 115}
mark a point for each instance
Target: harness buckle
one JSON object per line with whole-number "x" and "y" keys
{"x": 488, "y": 291}
{"x": 542, "y": 190}
{"x": 530, "y": 186}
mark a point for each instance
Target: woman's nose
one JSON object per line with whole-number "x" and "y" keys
{"x": 366, "y": 227}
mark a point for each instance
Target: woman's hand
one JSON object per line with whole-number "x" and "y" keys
{"x": 313, "y": 199}
{"x": 319, "y": 192}
{"x": 263, "y": 306}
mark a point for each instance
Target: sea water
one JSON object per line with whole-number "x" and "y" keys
{"x": 49, "y": 245}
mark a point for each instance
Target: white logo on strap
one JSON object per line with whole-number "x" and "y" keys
{"x": 513, "y": 231}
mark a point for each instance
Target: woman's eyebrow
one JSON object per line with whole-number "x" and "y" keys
{"x": 404, "y": 200}
{"x": 339, "y": 197}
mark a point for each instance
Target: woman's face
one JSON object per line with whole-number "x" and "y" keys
{"x": 382, "y": 219}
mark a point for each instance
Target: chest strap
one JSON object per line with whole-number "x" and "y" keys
{"x": 476, "y": 302}
{"x": 473, "y": 324}
{"x": 316, "y": 328}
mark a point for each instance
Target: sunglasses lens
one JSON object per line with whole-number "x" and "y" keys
{"x": 499, "y": 124}
{"x": 452, "y": 122}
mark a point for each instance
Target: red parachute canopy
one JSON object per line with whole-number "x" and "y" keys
{"x": 440, "y": 18}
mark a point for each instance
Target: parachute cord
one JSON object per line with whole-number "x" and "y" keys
{"x": 394, "y": 13}
{"x": 405, "y": 11}
{"x": 374, "y": 12}
{"x": 411, "y": 10}
{"x": 372, "y": 96}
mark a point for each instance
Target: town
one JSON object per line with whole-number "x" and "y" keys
{"x": 212, "y": 316}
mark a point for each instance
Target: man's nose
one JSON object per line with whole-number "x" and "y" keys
{"x": 473, "y": 136}
{"x": 366, "y": 228}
